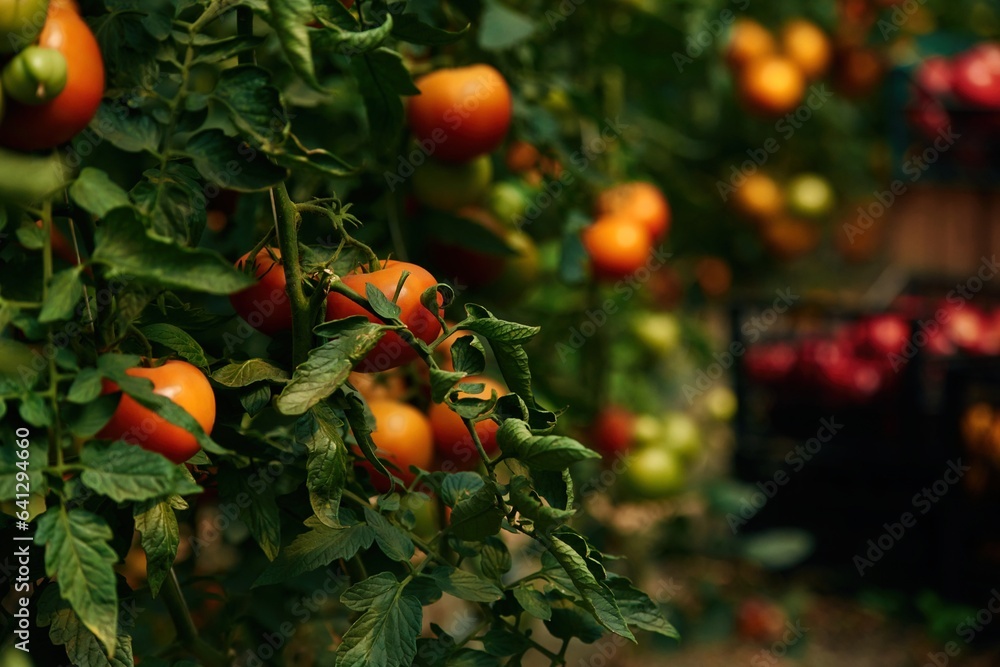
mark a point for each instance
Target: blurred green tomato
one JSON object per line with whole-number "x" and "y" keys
{"x": 521, "y": 271}
{"x": 451, "y": 186}
{"x": 720, "y": 402}
{"x": 35, "y": 75}
{"x": 654, "y": 473}
{"x": 647, "y": 430}
{"x": 508, "y": 201}
{"x": 809, "y": 195}
{"x": 659, "y": 332}
{"x": 681, "y": 435}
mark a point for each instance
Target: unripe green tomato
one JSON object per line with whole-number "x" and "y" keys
{"x": 809, "y": 195}
{"x": 451, "y": 186}
{"x": 522, "y": 270}
{"x": 659, "y": 332}
{"x": 681, "y": 435}
{"x": 35, "y": 75}
{"x": 654, "y": 473}
{"x": 507, "y": 202}
{"x": 20, "y": 23}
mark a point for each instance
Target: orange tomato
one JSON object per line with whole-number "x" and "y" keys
{"x": 265, "y": 305}
{"x": 521, "y": 157}
{"x": 759, "y": 198}
{"x": 182, "y": 383}
{"x": 403, "y": 437}
{"x": 713, "y": 275}
{"x": 788, "y": 238}
{"x": 616, "y": 246}
{"x": 454, "y": 442}
{"x": 460, "y": 113}
{"x": 748, "y": 41}
{"x": 42, "y": 126}
{"x": 772, "y": 85}
{"x": 377, "y": 386}
{"x": 807, "y": 46}
{"x": 391, "y": 351}
{"x": 641, "y": 202}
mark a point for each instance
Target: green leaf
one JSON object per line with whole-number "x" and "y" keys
{"x": 223, "y": 49}
{"x": 258, "y": 508}
{"x": 327, "y": 368}
{"x": 86, "y": 386}
{"x": 87, "y": 419}
{"x": 467, "y": 657}
{"x": 35, "y": 461}
{"x": 96, "y": 193}
{"x": 354, "y": 410}
{"x": 570, "y": 621}
{"x": 544, "y": 452}
{"x": 177, "y": 340}
{"x": 380, "y": 303}
{"x": 386, "y": 633}
{"x": 125, "y": 472}
{"x": 481, "y": 321}
{"x": 500, "y": 641}
{"x": 459, "y": 486}
{"x": 31, "y": 236}
{"x": 532, "y": 601}
{"x": 132, "y": 133}
{"x": 638, "y": 609}
{"x": 442, "y": 383}
{"x": 494, "y": 559}
{"x": 232, "y": 164}
{"x": 596, "y": 597}
{"x": 478, "y": 516}
{"x": 247, "y": 372}
{"x": 465, "y": 585}
{"x": 503, "y": 28}
{"x": 352, "y": 42}
{"x": 28, "y": 179}
{"x": 328, "y": 462}
{"x": 82, "y": 647}
{"x": 555, "y": 487}
{"x": 530, "y": 506}
{"x": 172, "y": 202}
{"x": 127, "y": 251}
{"x": 254, "y": 104}
{"x": 255, "y": 399}
{"x": 290, "y": 18}
{"x": 317, "y": 548}
{"x": 65, "y": 290}
{"x": 157, "y": 525}
{"x": 35, "y": 410}
{"x": 393, "y": 542}
{"x": 382, "y": 78}
{"x": 78, "y": 553}
{"x": 468, "y": 356}
{"x": 409, "y": 28}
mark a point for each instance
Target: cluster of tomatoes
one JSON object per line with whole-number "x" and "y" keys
{"x": 863, "y": 360}
{"x": 785, "y": 215}
{"x": 630, "y": 219}
{"x": 53, "y": 74}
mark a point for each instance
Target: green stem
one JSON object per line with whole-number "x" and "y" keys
{"x": 286, "y": 219}
{"x": 55, "y": 444}
{"x": 187, "y": 633}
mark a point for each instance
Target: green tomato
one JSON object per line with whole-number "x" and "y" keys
{"x": 35, "y": 75}
{"x": 654, "y": 473}
{"x": 520, "y": 272}
{"x": 20, "y": 23}
{"x": 508, "y": 201}
{"x": 720, "y": 402}
{"x": 809, "y": 195}
{"x": 648, "y": 430}
{"x": 681, "y": 435}
{"x": 451, "y": 186}
{"x": 660, "y": 332}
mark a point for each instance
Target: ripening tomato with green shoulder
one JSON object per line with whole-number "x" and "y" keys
{"x": 20, "y": 23}
{"x": 403, "y": 437}
{"x": 451, "y": 437}
{"x": 39, "y": 126}
{"x": 391, "y": 351}
{"x": 616, "y": 246}
{"x": 182, "y": 383}
{"x": 461, "y": 112}
{"x": 264, "y": 305}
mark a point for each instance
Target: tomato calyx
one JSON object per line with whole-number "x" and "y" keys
{"x": 35, "y": 75}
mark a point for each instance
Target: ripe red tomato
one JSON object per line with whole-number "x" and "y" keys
{"x": 616, "y": 246}
{"x": 614, "y": 431}
{"x": 57, "y": 121}
{"x": 391, "y": 351}
{"x": 642, "y": 202}
{"x": 265, "y": 305}
{"x": 182, "y": 383}
{"x": 461, "y": 113}
{"x": 453, "y": 440}
{"x": 403, "y": 436}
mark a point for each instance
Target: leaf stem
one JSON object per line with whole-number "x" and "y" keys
{"x": 286, "y": 219}
{"x": 55, "y": 444}
{"x": 187, "y": 633}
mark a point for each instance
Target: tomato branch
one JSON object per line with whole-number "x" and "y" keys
{"x": 286, "y": 220}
